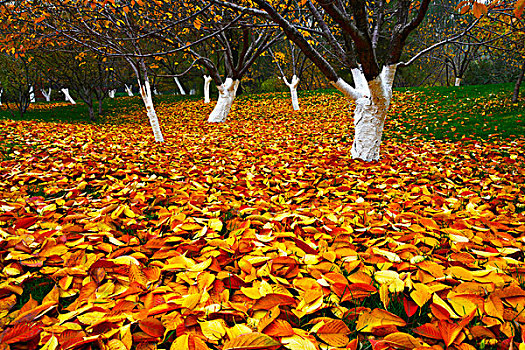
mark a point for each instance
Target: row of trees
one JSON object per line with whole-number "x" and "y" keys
{"x": 357, "y": 45}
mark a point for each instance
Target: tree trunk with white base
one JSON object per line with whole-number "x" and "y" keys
{"x": 129, "y": 89}
{"x": 207, "y": 81}
{"x": 1, "y": 92}
{"x": 181, "y": 89}
{"x": 372, "y": 103}
{"x": 458, "y": 81}
{"x": 46, "y": 94}
{"x": 112, "y": 93}
{"x": 227, "y": 93}
{"x": 146, "y": 94}
{"x": 68, "y": 97}
{"x": 293, "y": 91}
{"x": 32, "y": 94}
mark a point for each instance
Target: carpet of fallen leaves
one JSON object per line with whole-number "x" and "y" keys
{"x": 260, "y": 233}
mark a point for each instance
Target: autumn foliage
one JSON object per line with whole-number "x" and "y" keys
{"x": 261, "y": 233}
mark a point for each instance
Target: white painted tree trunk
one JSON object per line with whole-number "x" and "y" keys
{"x": 145, "y": 93}
{"x": 32, "y": 94}
{"x": 129, "y": 89}
{"x": 372, "y": 103}
{"x": 181, "y": 89}
{"x": 47, "y": 94}
{"x": 192, "y": 92}
{"x": 293, "y": 91}
{"x": 227, "y": 93}
{"x": 111, "y": 93}
{"x": 68, "y": 97}
{"x": 207, "y": 81}
{"x": 1, "y": 92}
{"x": 458, "y": 82}
{"x": 155, "y": 92}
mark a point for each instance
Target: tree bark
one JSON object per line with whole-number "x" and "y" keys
{"x": 129, "y": 90}
{"x": 92, "y": 116}
{"x": 458, "y": 81}
{"x": 145, "y": 93}
{"x": 370, "y": 112}
{"x": 516, "y": 93}
{"x": 100, "y": 107}
{"x": 47, "y": 94}
{"x": 1, "y": 92}
{"x": 293, "y": 91}
{"x": 32, "y": 94}
{"x": 227, "y": 93}
{"x": 69, "y": 99}
{"x": 181, "y": 89}
{"x": 111, "y": 93}
{"x": 207, "y": 81}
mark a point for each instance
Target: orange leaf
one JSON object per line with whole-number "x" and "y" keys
{"x": 334, "y": 332}
{"x": 152, "y": 326}
{"x": 428, "y": 330}
{"x": 449, "y": 331}
{"x": 367, "y": 321}
{"x": 279, "y": 328}
{"x": 251, "y": 341}
{"x": 20, "y": 333}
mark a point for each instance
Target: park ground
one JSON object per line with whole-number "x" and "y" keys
{"x": 262, "y": 232}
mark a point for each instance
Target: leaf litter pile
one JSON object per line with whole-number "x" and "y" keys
{"x": 261, "y": 233}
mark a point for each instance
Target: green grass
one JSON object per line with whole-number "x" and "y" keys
{"x": 447, "y": 113}
{"x": 455, "y": 113}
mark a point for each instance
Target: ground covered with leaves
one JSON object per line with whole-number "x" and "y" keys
{"x": 260, "y": 233}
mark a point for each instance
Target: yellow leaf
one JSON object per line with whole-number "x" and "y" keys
{"x": 213, "y": 330}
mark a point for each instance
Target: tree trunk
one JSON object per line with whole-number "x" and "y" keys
{"x": 129, "y": 90}
{"x": 100, "y": 107}
{"x": 47, "y": 95}
{"x": 227, "y": 93}
{"x": 145, "y": 93}
{"x": 92, "y": 116}
{"x": 68, "y": 96}
{"x": 181, "y": 89}
{"x": 458, "y": 81}
{"x": 32, "y": 94}
{"x": 1, "y": 92}
{"x": 111, "y": 93}
{"x": 516, "y": 93}
{"x": 207, "y": 81}
{"x": 372, "y": 103}
{"x": 293, "y": 91}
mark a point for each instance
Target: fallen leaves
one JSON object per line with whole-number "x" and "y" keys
{"x": 257, "y": 234}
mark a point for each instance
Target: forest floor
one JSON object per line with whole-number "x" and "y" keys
{"x": 262, "y": 232}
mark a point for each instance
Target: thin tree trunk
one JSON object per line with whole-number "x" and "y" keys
{"x": 293, "y": 91}
{"x": 129, "y": 90}
{"x": 145, "y": 93}
{"x": 47, "y": 95}
{"x": 65, "y": 91}
{"x": 207, "y": 81}
{"x": 100, "y": 107}
{"x": 32, "y": 94}
{"x": 181, "y": 89}
{"x": 92, "y": 116}
{"x": 516, "y": 93}
{"x": 458, "y": 81}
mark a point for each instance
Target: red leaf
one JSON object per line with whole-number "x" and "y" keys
{"x": 410, "y": 307}
{"x": 20, "y": 333}
{"x": 428, "y": 330}
{"x": 152, "y": 326}
{"x": 25, "y": 222}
